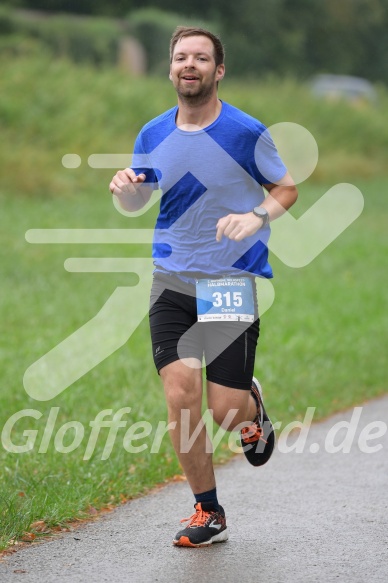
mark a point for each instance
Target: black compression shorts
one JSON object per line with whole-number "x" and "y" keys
{"x": 228, "y": 347}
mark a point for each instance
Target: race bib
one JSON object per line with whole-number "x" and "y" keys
{"x": 226, "y": 299}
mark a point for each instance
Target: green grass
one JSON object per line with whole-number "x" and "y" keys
{"x": 322, "y": 342}
{"x": 329, "y": 319}
{"x": 322, "y": 345}
{"x": 49, "y": 108}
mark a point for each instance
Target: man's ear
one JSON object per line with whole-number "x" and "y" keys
{"x": 170, "y": 76}
{"x": 220, "y": 72}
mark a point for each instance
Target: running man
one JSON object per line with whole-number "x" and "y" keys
{"x": 212, "y": 162}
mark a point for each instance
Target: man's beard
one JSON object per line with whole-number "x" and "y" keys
{"x": 194, "y": 97}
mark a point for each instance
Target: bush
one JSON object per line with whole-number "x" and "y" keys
{"x": 92, "y": 40}
{"x": 153, "y": 28}
{"x": 7, "y": 21}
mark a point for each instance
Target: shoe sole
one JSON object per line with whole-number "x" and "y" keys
{"x": 184, "y": 541}
{"x": 259, "y": 459}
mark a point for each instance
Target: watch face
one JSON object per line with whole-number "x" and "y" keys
{"x": 261, "y": 213}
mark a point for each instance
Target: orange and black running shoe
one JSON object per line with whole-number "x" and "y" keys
{"x": 206, "y": 526}
{"x": 258, "y": 439}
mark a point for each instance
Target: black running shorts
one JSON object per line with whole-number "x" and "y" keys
{"x": 228, "y": 348}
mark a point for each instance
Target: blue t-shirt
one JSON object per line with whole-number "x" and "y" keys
{"x": 205, "y": 175}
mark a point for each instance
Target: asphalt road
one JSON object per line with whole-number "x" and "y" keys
{"x": 308, "y": 517}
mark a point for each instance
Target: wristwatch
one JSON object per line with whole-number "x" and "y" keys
{"x": 260, "y": 212}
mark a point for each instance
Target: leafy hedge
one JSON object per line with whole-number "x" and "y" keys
{"x": 153, "y": 28}
{"x": 92, "y": 40}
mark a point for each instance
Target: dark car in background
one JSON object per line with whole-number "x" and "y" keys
{"x": 352, "y": 89}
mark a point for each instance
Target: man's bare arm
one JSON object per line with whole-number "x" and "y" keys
{"x": 280, "y": 198}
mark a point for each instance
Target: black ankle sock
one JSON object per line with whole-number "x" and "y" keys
{"x": 209, "y": 498}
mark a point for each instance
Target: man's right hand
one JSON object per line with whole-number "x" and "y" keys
{"x": 126, "y": 182}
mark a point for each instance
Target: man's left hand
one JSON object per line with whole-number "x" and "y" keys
{"x": 238, "y": 227}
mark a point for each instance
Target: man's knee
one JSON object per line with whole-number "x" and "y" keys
{"x": 182, "y": 385}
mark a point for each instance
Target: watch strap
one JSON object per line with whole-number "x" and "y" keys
{"x": 262, "y": 213}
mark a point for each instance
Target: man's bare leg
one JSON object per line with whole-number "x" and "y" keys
{"x": 223, "y": 399}
{"x": 183, "y": 390}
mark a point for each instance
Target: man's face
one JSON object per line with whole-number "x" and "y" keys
{"x": 193, "y": 70}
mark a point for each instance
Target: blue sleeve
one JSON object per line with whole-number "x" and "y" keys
{"x": 141, "y": 163}
{"x": 267, "y": 159}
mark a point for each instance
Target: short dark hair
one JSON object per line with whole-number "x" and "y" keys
{"x": 185, "y": 31}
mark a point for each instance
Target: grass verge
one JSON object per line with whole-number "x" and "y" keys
{"x": 322, "y": 342}
{"x": 322, "y": 345}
